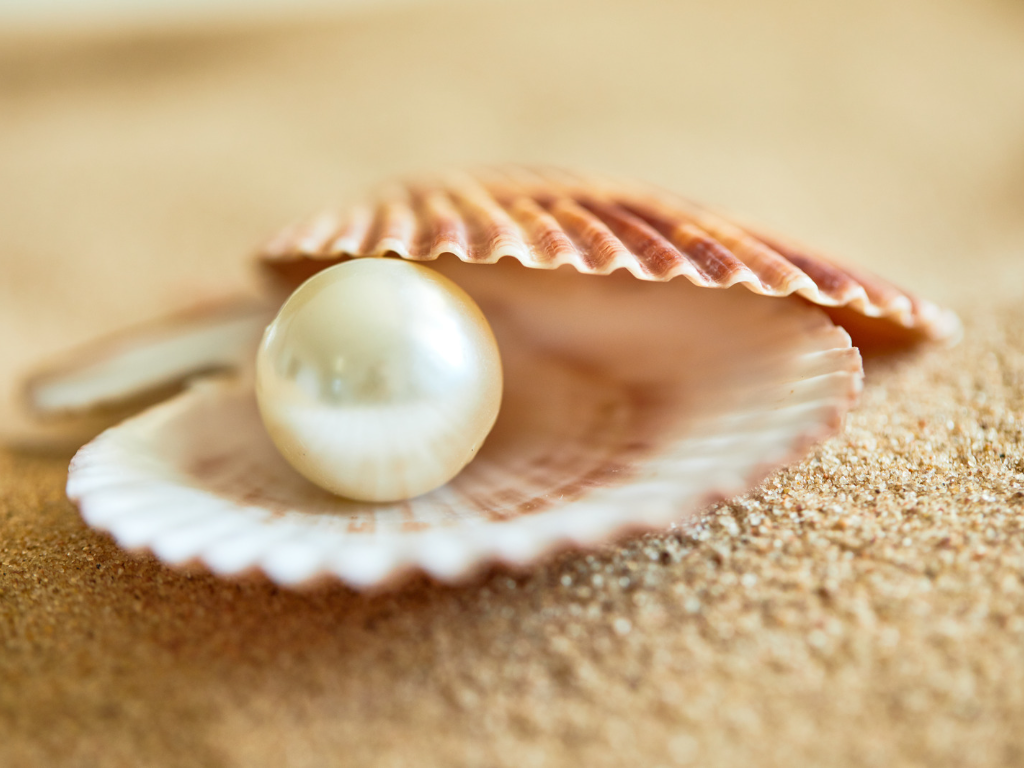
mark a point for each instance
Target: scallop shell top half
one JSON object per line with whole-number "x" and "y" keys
{"x": 633, "y": 398}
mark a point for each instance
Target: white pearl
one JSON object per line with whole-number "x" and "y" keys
{"x": 379, "y": 379}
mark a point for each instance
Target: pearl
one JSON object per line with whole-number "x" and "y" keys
{"x": 379, "y": 379}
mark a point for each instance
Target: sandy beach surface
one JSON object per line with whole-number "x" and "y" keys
{"x": 864, "y": 607}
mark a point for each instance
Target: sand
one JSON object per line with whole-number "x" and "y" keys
{"x": 863, "y": 607}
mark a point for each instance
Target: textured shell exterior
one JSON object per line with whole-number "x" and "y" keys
{"x": 547, "y": 218}
{"x": 628, "y": 405}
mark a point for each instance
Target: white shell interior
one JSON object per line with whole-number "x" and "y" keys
{"x": 70, "y": 401}
{"x": 627, "y": 405}
{"x": 122, "y": 374}
{"x": 67, "y": 403}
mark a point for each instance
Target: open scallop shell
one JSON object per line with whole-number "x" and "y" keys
{"x": 627, "y": 406}
{"x": 629, "y": 403}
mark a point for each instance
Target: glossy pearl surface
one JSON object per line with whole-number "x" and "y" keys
{"x": 379, "y": 379}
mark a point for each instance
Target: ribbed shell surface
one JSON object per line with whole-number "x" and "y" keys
{"x": 547, "y": 218}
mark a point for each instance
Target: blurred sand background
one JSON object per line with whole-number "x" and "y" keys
{"x": 865, "y": 607}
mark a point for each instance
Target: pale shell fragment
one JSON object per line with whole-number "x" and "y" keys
{"x": 73, "y": 399}
{"x": 628, "y": 405}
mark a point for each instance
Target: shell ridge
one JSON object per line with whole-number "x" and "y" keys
{"x": 548, "y": 244}
{"x": 548, "y": 241}
{"x": 776, "y": 275}
{"x": 318, "y": 232}
{"x": 719, "y": 265}
{"x": 772, "y": 272}
{"x": 600, "y": 251}
{"x": 831, "y": 285}
{"x": 444, "y": 230}
{"x": 725, "y": 260}
{"x": 395, "y": 226}
{"x": 353, "y": 232}
{"x": 495, "y": 229}
{"x": 656, "y": 255}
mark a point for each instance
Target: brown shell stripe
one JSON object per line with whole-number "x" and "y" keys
{"x": 738, "y": 257}
{"x": 493, "y": 233}
{"x": 548, "y": 241}
{"x": 713, "y": 264}
{"x": 555, "y": 236}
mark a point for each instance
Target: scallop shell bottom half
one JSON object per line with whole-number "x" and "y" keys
{"x": 628, "y": 405}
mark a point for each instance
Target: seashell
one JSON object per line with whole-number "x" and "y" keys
{"x": 71, "y": 400}
{"x": 607, "y": 426}
{"x": 631, "y": 400}
{"x": 546, "y": 219}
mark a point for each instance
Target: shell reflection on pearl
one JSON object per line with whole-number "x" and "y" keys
{"x": 379, "y": 379}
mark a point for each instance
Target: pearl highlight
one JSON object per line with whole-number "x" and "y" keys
{"x": 379, "y": 379}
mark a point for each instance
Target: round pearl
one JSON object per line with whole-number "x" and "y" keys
{"x": 379, "y": 379}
